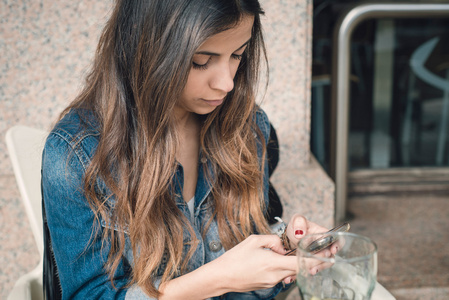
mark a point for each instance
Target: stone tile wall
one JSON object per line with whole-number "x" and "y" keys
{"x": 302, "y": 184}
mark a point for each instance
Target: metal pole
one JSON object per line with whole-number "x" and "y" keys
{"x": 340, "y": 80}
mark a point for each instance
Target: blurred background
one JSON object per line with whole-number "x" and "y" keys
{"x": 396, "y": 188}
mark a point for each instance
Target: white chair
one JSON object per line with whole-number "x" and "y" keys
{"x": 25, "y": 147}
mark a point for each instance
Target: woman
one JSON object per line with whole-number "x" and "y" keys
{"x": 155, "y": 177}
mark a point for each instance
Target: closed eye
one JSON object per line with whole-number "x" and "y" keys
{"x": 201, "y": 66}
{"x": 204, "y": 66}
{"x": 237, "y": 57}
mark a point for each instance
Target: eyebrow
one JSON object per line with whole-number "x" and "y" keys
{"x": 216, "y": 54}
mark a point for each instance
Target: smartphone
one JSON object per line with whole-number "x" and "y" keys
{"x": 325, "y": 241}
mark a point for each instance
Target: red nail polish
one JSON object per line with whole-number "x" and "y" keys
{"x": 299, "y": 232}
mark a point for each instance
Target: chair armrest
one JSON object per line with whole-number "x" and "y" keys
{"x": 28, "y": 286}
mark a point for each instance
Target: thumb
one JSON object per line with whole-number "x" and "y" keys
{"x": 298, "y": 228}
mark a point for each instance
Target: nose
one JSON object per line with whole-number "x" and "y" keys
{"x": 223, "y": 79}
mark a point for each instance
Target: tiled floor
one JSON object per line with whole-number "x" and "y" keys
{"x": 412, "y": 234}
{"x": 411, "y": 231}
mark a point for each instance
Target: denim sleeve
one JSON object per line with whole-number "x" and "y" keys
{"x": 79, "y": 253}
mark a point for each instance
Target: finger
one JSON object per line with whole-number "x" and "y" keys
{"x": 317, "y": 265}
{"x": 272, "y": 242}
{"x": 320, "y": 267}
{"x": 300, "y": 225}
{"x": 315, "y": 228}
{"x": 297, "y": 228}
{"x": 335, "y": 248}
{"x": 338, "y": 245}
{"x": 288, "y": 280}
{"x": 288, "y": 270}
{"x": 285, "y": 265}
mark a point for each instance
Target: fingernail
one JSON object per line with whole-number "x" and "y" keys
{"x": 299, "y": 232}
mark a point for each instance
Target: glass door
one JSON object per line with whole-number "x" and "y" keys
{"x": 400, "y": 100}
{"x": 380, "y": 90}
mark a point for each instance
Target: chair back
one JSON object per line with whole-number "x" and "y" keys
{"x": 25, "y": 146}
{"x": 418, "y": 65}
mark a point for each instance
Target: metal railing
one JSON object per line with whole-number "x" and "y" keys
{"x": 340, "y": 80}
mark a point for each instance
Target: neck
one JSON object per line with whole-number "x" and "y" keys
{"x": 185, "y": 120}
{"x": 188, "y": 129}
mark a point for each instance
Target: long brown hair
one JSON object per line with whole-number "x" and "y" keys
{"x": 140, "y": 68}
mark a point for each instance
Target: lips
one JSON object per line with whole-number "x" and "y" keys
{"x": 214, "y": 102}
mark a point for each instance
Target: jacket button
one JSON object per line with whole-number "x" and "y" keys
{"x": 215, "y": 246}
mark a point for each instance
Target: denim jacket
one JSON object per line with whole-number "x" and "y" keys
{"x": 79, "y": 257}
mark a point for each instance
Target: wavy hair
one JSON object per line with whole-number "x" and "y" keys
{"x": 139, "y": 71}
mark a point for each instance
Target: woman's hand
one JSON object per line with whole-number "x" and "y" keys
{"x": 297, "y": 228}
{"x": 256, "y": 263}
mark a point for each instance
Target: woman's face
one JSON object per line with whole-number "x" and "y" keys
{"x": 214, "y": 66}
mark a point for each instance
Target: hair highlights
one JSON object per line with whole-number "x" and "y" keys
{"x": 140, "y": 68}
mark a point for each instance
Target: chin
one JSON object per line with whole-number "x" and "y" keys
{"x": 205, "y": 111}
